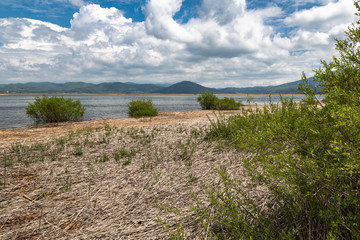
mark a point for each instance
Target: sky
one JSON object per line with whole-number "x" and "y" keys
{"x": 216, "y": 43}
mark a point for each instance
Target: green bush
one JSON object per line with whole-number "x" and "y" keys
{"x": 209, "y": 101}
{"x": 301, "y": 177}
{"x": 142, "y": 108}
{"x": 55, "y": 109}
{"x": 227, "y": 104}
{"x": 308, "y": 165}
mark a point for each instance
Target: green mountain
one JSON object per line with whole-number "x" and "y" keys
{"x": 286, "y": 88}
{"x": 78, "y": 87}
{"x": 185, "y": 87}
{"x": 124, "y": 88}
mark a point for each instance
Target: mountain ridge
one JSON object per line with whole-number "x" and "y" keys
{"x": 184, "y": 87}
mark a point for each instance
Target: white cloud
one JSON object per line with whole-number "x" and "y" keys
{"x": 224, "y": 28}
{"x": 317, "y": 28}
{"x": 324, "y": 17}
{"x": 223, "y": 11}
{"x": 77, "y": 3}
{"x": 227, "y": 45}
{"x": 160, "y": 23}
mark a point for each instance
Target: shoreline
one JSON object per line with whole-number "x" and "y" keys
{"x": 49, "y": 130}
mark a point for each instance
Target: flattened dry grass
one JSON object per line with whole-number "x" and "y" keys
{"x": 104, "y": 183}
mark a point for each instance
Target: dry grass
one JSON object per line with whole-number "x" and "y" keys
{"x": 102, "y": 180}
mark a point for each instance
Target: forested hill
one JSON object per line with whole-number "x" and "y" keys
{"x": 287, "y": 88}
{"x": 79, "y": 87}
{"x": 185, "y": 87}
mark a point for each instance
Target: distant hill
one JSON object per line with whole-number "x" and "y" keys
{"x": 163, "y": 84}
{"x": 119, "y": 87}
{"x": 185, "y": 87}
{"x": 286, "y": 88}
{"x": 78, "y": 87}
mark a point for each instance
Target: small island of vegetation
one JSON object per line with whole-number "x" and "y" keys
{"x": 142, "y": 108}
{"x": 55, "y": 109}
{"x": 209, "y": 101}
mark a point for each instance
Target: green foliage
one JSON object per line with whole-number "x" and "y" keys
{"x": 127, "y": 154}
{"x": 340, "y": 78}
{"x": 301, "y": 177}
{"x": 104, "y": 158}
{"x": 227, "y": 104}
{"x": 209, "y": 101}
{"x": 55, "y": 109}
{"x": 142, "y": 108}
{"x": 307, "y": 161}
{"x": 78, "y": 152}
{"x": 127, "y": 162}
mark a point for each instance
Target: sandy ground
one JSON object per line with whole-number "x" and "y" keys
{"x": 40, "y": 131}
{"x": 106, "y": 179}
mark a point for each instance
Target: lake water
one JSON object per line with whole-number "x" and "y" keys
{"x": 12, "y": 107}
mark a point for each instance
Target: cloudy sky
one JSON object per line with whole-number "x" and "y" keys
{"x": 216, "y": 43}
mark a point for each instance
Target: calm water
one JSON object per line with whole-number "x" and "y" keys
{"x": 12, "y": 107}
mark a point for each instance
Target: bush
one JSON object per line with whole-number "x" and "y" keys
{"x": 301, "y": 177}
{"x": 227, "y": 104}
{"x": 55, "y": 109}
{"x": 142, "y": 108}
{"x": 209, "y": 101}
{"x": 309, "y": 168}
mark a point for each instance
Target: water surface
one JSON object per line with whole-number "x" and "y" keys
{"x": 12, "y": 107}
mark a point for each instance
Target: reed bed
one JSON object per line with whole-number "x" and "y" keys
{"x": 106, "y": 180}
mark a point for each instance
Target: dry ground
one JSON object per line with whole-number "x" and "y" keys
{"x": 102, "y": 179}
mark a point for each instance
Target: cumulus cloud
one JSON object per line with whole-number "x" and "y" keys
{"x": 223, "y": 11}
{"x": 160, "y": 23}
{"x": 324, "y": 17}
{"x": 224, "y": 28}
{"x": 225, "y": 45}
{"x": 316, "y": 28}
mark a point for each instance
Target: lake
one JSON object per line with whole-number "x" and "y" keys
{"x": 12, "y": 107}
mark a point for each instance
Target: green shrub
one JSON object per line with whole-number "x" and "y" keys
{"x": 209, "y": 101}
{"x": 55, "y": 109}
{"x": 227, "y": 104}
{"x": 142, "y": 108}
{"x": 308, "y": 166}
{"x": 301, "y": 177}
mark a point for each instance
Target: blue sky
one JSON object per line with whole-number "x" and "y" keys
{"x": 60, "y": 12}
{"x": 215, "y": 43}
